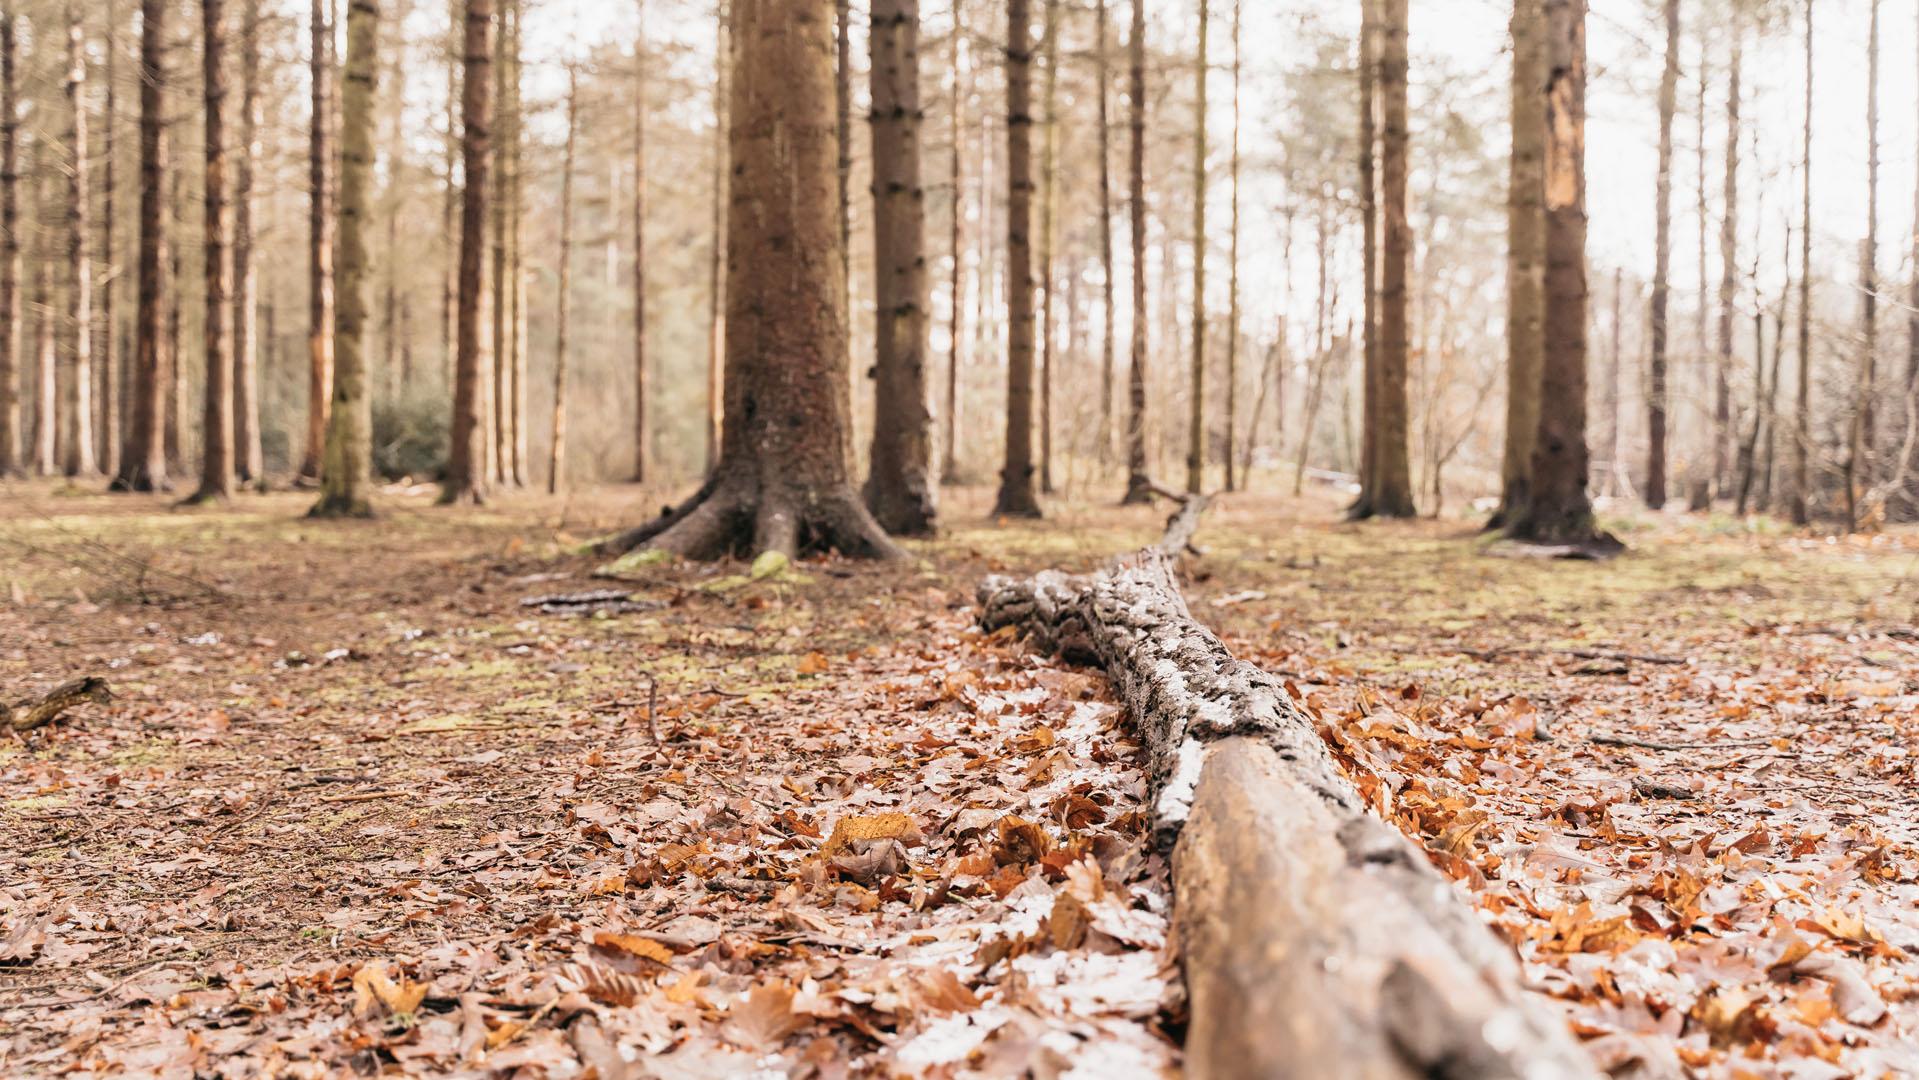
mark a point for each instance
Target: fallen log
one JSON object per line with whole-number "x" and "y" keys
{"x": 38, "y": 711}
{"x": 1317, "y": 940}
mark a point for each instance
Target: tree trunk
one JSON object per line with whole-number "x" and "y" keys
{"x": 556, "y": 460}
{"x": 1906, "y": 500}
{"x": 1662, "y": 267}
{"x": 319, "y": 246}
{"x": 249, "y": 459}
{"x": 1367, "y": 66}
{"x": 79, "y": 459}
{"x": 499, "y": 423}
{"x": 466, "y": 471}
{"x": 1321, "y": 359}
{"x": 1800, "y": 499}
{"x": 450, "y": 201}
{"x": 216, "y": 410}
{"x": 1232, "y": 280}
{"x": 1196, "y": 404}
{"x": 1139, "y": 485}
{"x": 347, "y": 478}
{"x": 1861, "y": 457}
{"x": 46, "y": 351}
{"x": 641, "y": 431}
{"x": 783, "y": 479}
{"x": 176, "y": 372}
{"x": 110, "y": 396}
{"x": 1722, "y": 434}
{"x": 143, "y": 465}
{"x": 394, "y": 197}
{"x": 1525, "y": 259}
{"x": 1766, "y": 488}
{"x": 1016, "y": 495}
{"x": 1049, "y": 278}
{"x": 1559, "y": 511}
{"x": 955, "y": 175}
{"x": 515, "y": 465}
{"x": 9, "y": 245}
{"x": 716, "y": 282}
{"x": 1391, "y": 484}
{"x": 900, "y": 487}
{"x": 1103, "y": 61}
{"x": 1699, "y": 498}
{"x": 843, "y": 116}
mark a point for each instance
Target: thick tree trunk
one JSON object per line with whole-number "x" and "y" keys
{"x": 1049, "y": 278}
{"x": 1232, "y": 279}
{"x": 1800, "y": 499}
{"x": 249, "y": 458}
{"x": 642, "y": 432}
{"x": 143, "y": 465}
{"x": 956, "y": 315}
{"x": 1559, "y": 511}
{"x": 1016, "y": 493}
{"x": 1196, "y": 400}
{"x": 556, "y": 459}
{"x": 843, "y": 116}
{"x": 1662, "y": 268}
{"x": 10, "y": 462}
{"x": 1139, "y": 485}
{"x": 466, "y": 471}
{"x": 109, "y": 378}
{"x": 347, "y": 479}
{"x": 1525, "y": 259}
{"x": 1317, "y": 939}
{"x": 80, "y": 460}
{"x": 319, "y": 245}
{"x": 216, "y": 410}
{"x": 783, "y": 479}
{"x": 900, "y": 488}
{"x": 1390, "y": 493}
{"x": 46, "y": 350}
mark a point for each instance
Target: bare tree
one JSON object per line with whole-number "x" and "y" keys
{"x": 143, "y": 465}
{"x": 10, "y": 462}
{"x": 216, "y": 412}
{"x": 1662, "y": 265}
{"x": 1048, "y": 271}
{"x": 1232, "y": 283}
{"x": 1389, "y": 490}
{"x": 466, "y": 471}
{"x": 319, "y": 244}
{"x": 1799, "y": 500}
{"x": 556, "y": 460}
{"x": 642, "y": 433}
{"x": 1196, "y": 403}
{"x": 949, "y": 458}
{"x": 249, "y": 458}
{"x": 1525, "y": 258}
{"x": 1016, "y": 494}
{"x": 1139, "y": 485}
{"x": 1102, "y": 56}
{"x": 80, "y": 459}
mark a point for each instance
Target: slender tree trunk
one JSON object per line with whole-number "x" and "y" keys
{"x": 319, "y": 246}
{"x": 642, "y": 433}
{"x": 1139, "y": 485}
{"x": 499, "y": 424}
{"x": 1611, "y": 485}
{"x": 1906, "y": 501}
{"x": 716, "y": 265}
{"x": 556, "y": 461}
{"x": 1525, "y": 259}
{"x": 900, "y": 489}
{"x": 176, "y": 376}
{"x": 1196, "y": 405}
{"x": 1232, "y": 280}
{"x": 1322, "y": 361}
{"x": 515, "y": 189}
{"x": 1103, "y": 61}
{"x": 1722, "y": 434}
{"x": 1391, "y": 492}
{"x": 1049, "y": 278}
{"x": 249, "y": 458}
{"x": 79, "y": 458}
{"x": 394, "y": 196}
{"x": 1766, "y": 487}
{"x": 1860, "y": 458}
{"x": 1800, "y": 500}
{"x": 1662, "y": 269}
{"x": 955, "y": 174}
{"x": 1367, "y": 67}
{"x": 109, "y": 377}
{"x": 843, "y": 114}
{"x": 216, "y": 411}
{"x": 46, "y": 386}
{"x": 1559, "y": 511}
{"x": 143, "y": 465}
{"x": 1699, "y": 498}
{"x": 466, "y": 471}
{"x": 1016, "y": 494}
{"x": 449, "y": 204}
{"x": 782, "y": 483}
{"x": 10, "y": 462}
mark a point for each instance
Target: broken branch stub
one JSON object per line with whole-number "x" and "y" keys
{"x": 1317, "y": 939}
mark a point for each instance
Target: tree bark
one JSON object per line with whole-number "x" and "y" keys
{"x": 1102, "y": 59}
{"x": 843, "y": 115}
{"x": 1800, "y": 499}
{"x": 466, "y": 472}
{"x": 900, "y": 486}
{"x": 783, "y": 479}
{"x": 1016, "y": 495}
{"x": 450, "y": 201}
{"x": 642, "y": 432}
{"x": 1139, "y": 485}
{"x": 249, "y": 458}
{"x": 1391, "y": 485}
{"x": 110, "y": 380}
{"x": 143, "y": 465}
{"x": 1559, "y": 511}
{"x": 46, "y": 350}
{"x": 556, "y": 460}
{"x": 514, "y": 186}
{"x": 1048, "y": 275}
{"x": 320, "y": 285}
{"x": 216, "y": 410}
{"x": 347, "y": 478}
{"x": 394, "y": 196}
{"x": 1196, "y": 403}
{"x": 1862, "y": 454}
{"x": 1367, "y": 68}
{"x": 1525, "y": 259}
{"x": 1662, "y": 265}
{"x": 1232, "y": 280}
{"x": 955, "y": 174}
{"x": 80, "y": 460}
{"x": 10, "y": 462}
{"x": 716, "y": 264}
{"x": 1722, "y": 434}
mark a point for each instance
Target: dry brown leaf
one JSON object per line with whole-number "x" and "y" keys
{"x": 632, "y": 946}
{"x": 372, "y": 984}
{"x": 890, "y": 826}
{"x": 762, "y": 1018}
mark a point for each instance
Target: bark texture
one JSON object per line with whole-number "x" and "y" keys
{"x": 900, "y": 488}
{"x": 216, "y": 407}
{"x": 1391, "y": 482}
{"x": 1662, "y": 269}
{"x": 556, "y": 458}
{"x": 347, "y": 477}
{"x": 143, "y": 465}
{"x": 1317, "y": 940}
{"x": 782, "y": 482}
{"x": 466, "y": 473}
{"x": 1799, "y": 501}
{"x": 10, "y": 462}
{"x": 1196, "y": 392}
{"x": 1525, "y": 258}
{"x": 1139, "y": 484}
{"x": 249, "y": 458}
{"x": 80, "y": 458}
{"x": 1017, "y": 494}
{"x": 319, "y": 245}
{"x": 1108, "y": 305}
{"x": 642, "y": 431}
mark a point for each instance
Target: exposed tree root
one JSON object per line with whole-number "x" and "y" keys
{"x": 732, "y": 518}
{"x": 45, "y": 709}
{"x": 1317, "y": 939}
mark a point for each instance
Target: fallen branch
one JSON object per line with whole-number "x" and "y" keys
{"x": 1582, "y": 654}
{"x": 1317, "y": 940}
{"x": 45, "y": 709}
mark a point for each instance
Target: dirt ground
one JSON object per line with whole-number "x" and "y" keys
{"x": 364, "y": 802}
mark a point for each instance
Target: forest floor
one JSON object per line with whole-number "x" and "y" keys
{"x": 364, "y": 802}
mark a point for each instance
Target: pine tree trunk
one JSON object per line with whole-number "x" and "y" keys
{"x": 843, "y": 117}
{"x": 1049, "y": 280}
{"x": 1906, "y": 502}
{"x": 1367, "y": 67}
{"x": 1699, "y": 497}
{"x": 1196, "y": 403}
{"x": 78, "y": 404}
{"x": 1722, "y": 434}
{"x": 900, "y": 488}
{"x": 249, "y": 459}
{"x": 143, "y": 464}
{"x": 716, "y": 276}
{"x": 466, "y": 471}
{"x": 556, "y": 460}
{"x": 1525, "y": 259}
{"x": 1391, "y": 492}
{"x": 1662, "y": 269}
{"x": 955, "y": 175}
{"x": 216, "y": 410}
{"x": 1322, "y": 360}
{"x": 320, "y": 283}
{"x": 390, "y": 345}
{"x": 108, "y": 378}
{"x": 515, "y": 186}
{"x": 1559, "y": 511}
{"x": 176, "y": 371}
{"x": 46, "y": 352}
{"x": 1016, "y": 495}
{"x": 450, "y": 201}
{"x": 641, "y": 431}
{"x": 1139, "y": 485}
{"x": 1232, "y": 281}
{"x": 1799, "y": 501}
{"x": 499, "y": 426}
{"x": 783, "y": 480}
{"x": 1610, "y": 486}
{"x": 1102, "y": 59}
{"x": 1861, "y": 456}
{"x": 10, "y": 463}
